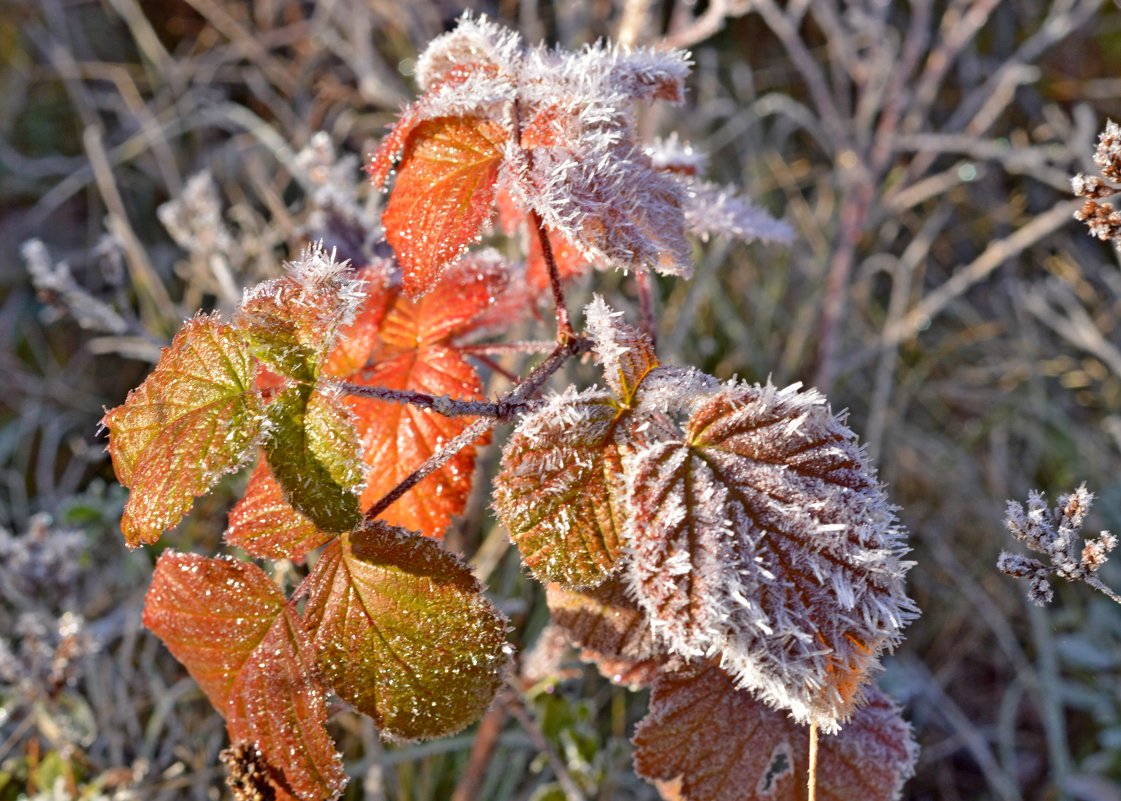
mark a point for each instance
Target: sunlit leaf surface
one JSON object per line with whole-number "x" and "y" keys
{"x": 560, "y": 488}
{"x": 404, "y": 633}
{"x": 706, "y": 740}
{"x": 246, "y": 647}
{"x": 442, "y": 195}
{"x": 194, "y": 418}
{"x": 310, "y": 444}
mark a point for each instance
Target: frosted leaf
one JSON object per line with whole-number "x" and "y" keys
{"x": 265, "y": 524}
{"x": 443, "y": 194}
{"x": 404, "y": 632}
{"x": 560, "y": 488}
{"x": 706, "y": 740}
{"x": 476, "y": 45}
{"x": 761, "y": 535}
{"x": 603, "y": 194}
{"x": 194, "y": 418}
{"x": 610, "y": 629}
{"x": 246, "y": 647}
{"x": 625, "y": 353}
{"x": 310, "y": 444}
{"x": 713, "y": 210}
{"x": 673, "y": 155}
{"x": 292, "y": 322}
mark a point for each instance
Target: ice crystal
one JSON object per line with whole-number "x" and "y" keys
{"x": 1057, "y": 534}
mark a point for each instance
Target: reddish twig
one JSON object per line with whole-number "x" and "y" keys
{"x": 449, "y": 407}
{"x": 482, "y": 749}
{"x": 646, "y": 303}
{"x": 574, "y": 346}
{"x": 564, "y": 323}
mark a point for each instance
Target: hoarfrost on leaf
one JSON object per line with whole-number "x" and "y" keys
{"x": 761, "y": 535}
{"x": 721, "y": 744}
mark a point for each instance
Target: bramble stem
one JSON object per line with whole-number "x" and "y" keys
{"x": 811, "y": 790}
{"x": 574, "y": 346}
{"x": 646, "y": 302}
{"x": 493, "y": 348}
{"x": 449, "y": 407}
{"x": 564, "y": 324}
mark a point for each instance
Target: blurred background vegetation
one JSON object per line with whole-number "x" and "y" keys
{"x": 937, "y": 288}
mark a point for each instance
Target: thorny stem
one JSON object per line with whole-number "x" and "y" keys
{"x": 574, "y": 346}
{"x": 449, "y": 407}
{"x": 564, "y": 324}
{"x": 646, "y": 302}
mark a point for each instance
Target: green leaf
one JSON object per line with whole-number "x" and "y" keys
{"x": 560, "y": 488}
{"x": 193, "y": 419}
{"x": 404, "y": 632}
{"x": 311, "y": 446}
{"x": 291, "y": 322}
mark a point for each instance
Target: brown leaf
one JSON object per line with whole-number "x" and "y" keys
{"x": 706, "y": 740}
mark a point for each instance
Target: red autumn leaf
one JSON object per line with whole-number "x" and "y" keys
{"x": 358, "y": 340}
{"x": 413, "y": 349}
{"x": 194, "y": 418}
{"x": 231, "y": 627}
{"x": 706, "y": 740}
{"x": 404, "y": 633}
{"x": 266, "y": 525}
{"x": 443, "y": 194}
{"x": 397, "y": 438}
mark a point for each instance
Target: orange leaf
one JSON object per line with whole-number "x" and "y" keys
{"x": 397, "y": 438}
{"x": 410, "y": 347}
{"x": 706, "y": 740}
{"x": 443, "y": 194}
{"x": 266, "y": 525}
{"x": 230, "y": 626}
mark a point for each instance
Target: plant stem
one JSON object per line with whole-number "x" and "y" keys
{"x": 573, "y": 346}
{"x": 482, "y": 749}
{"x": 1096, "y": 583}
{"x": 564, "y": 778}
{"x": 646, "y": 302}
{"x": 811, "y": 790}
{"x": 564, "y": 324}
{"x": 449, "y": 407}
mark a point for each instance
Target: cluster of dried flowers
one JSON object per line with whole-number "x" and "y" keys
{"x": 1103, "y": 220}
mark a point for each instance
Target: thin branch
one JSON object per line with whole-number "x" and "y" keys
{"x": 564, "y": 323}
{"x": 533, "y": 382}
{"x": 499, "y": 348}
{"x": 811, "y": 788}
{"x": 646, "y": 301}
{"x": 482, "y": 749}
{"x": 449, "y": 407}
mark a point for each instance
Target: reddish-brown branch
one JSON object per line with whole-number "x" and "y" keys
{"x": 564, "y": 323}
{"x": 449, "y": 407}
{"x": 646, "y": 303}
{"x": 573, "y": 346}
{"x": 482, "y": 749}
